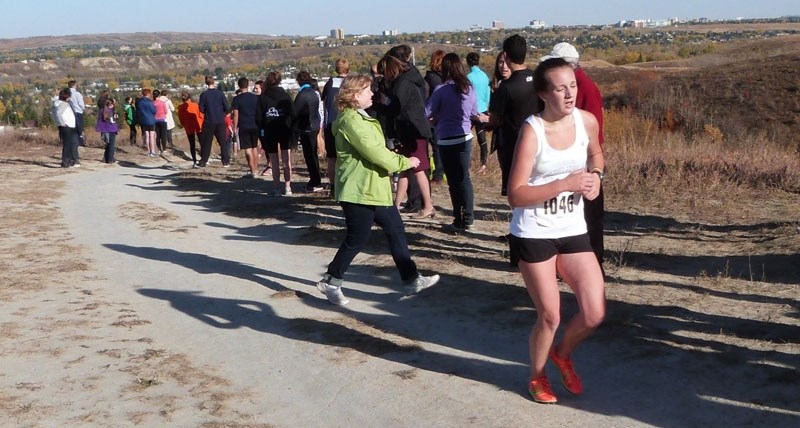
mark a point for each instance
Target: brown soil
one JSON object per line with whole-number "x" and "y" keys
{"x": 715, "y": 307}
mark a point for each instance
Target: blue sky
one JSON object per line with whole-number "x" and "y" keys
{"x": 318, "y": 17}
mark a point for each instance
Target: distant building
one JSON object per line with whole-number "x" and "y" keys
{"x": 155, "y": 46}
{"x": 498, "y": 25}
{"x": 392, "y": 32}
{"x": 337, "y": 33}
{"x": 537, "y": 24}
{"x": 475, "y": 27}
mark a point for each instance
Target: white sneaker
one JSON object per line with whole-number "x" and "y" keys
{"x": 288, "y": 191}
{"x": 335, "y": 295}
{"x": 420, "y": 283}
{"x": 332, "y": 292}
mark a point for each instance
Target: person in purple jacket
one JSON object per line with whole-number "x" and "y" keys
{"x": 453, "y": 107}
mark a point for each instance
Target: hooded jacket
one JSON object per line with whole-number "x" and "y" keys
{"x": 407, "y": 96}
{"x": 363, "y": 163}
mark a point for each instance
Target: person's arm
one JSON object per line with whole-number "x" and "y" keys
{"x": 520, "y": 194}
{"x": 371, "y": 145}
{"x": 595, "y": 161}
{"x": 235, "y": 113}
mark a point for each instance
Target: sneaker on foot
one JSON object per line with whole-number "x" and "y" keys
{"x": 420, "y": 283}
{"x": 571, "y": 380}
{"x": 540, "y": 390}
{"x": 335, "y": 295}
{"x": 275, "y": 193}
{"x": 288, "y": 191}
{"x": 313, "y": 189}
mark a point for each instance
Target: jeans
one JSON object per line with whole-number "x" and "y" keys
{"x": 310, "y": 153}
{"x": 456, "y": 160}
{"x": 110, "y": 138}
{"x": 211, "y": 130}
{"x": 359, "y": 219}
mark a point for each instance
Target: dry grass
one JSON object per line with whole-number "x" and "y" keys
{"x": 652, "y": 167}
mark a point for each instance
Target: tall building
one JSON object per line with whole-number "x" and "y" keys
{"x": 538, "y": 24}
{"x": 391, "y": 32}
{"x": 498, "y": 25}
{"x": 337, "y": 33}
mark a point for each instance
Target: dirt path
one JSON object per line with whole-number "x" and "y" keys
{"x": 146, "y": 294}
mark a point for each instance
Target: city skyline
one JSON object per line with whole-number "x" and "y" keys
{"x": 358, "y": 17}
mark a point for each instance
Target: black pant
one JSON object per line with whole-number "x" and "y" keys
{"x": 211, "y": 130}
{"x": 132, "y": 137}
{"x": 359, "y": 219}
{"x": 310, "y": 153}
{"x": 456, "y": 160}
{"x": 437, "y": 171}
{"x": 192, "y": 146}
{"x": 79, "y": 128}
{"x": 480, "y": 130}
{"x": 593, "y": 212}
{"x": 161, "y": 136}
{"x": 505, "y": 155}
{"x": 69, "y": 146}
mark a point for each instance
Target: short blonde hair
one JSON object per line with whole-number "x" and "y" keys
{"x": 352, "y": 85}
{"x": 342, "y": 66}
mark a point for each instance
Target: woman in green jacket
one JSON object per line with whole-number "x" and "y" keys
{"x": 363, "y": 188}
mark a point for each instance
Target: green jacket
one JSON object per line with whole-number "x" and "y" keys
{"x": 363, "y": 163}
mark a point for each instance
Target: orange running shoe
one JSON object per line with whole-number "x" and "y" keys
{"x": 541, "y": 392}
{"x": 571, "y": 380}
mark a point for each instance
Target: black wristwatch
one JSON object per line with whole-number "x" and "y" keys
{"x": 599, "y": 173}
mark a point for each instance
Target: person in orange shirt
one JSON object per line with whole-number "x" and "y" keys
{"x": 192, "y": 122}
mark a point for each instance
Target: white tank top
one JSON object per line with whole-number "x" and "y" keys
{"x": 562, "y": 215}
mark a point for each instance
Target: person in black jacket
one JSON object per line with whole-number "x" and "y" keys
{"x": 275, "y": 113}
{"x": 406, "y": 106}
{"x": 433, "y": 78}
{"x": 307, "y": 121}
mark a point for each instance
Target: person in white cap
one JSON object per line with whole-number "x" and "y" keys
{"x": 588, "y": 99}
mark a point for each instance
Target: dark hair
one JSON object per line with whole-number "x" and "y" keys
{"x": 304, "y": 77}
{"x": 243, "y": 82}
{"x": 473, "y": 59}
{"x": 71, "y": 83}
{"x": 156, "y": 93}
{"x": 497, "y": 77}
{"x": 452, "y": 69}
{"x": 401, "y": 52}
{"x": 64, "y": 94}
{"x": 515, "y": 48}
{"x": 391, "y": 67}
{"x": 273, "y": 79}
{"x": 209, "y": 80}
